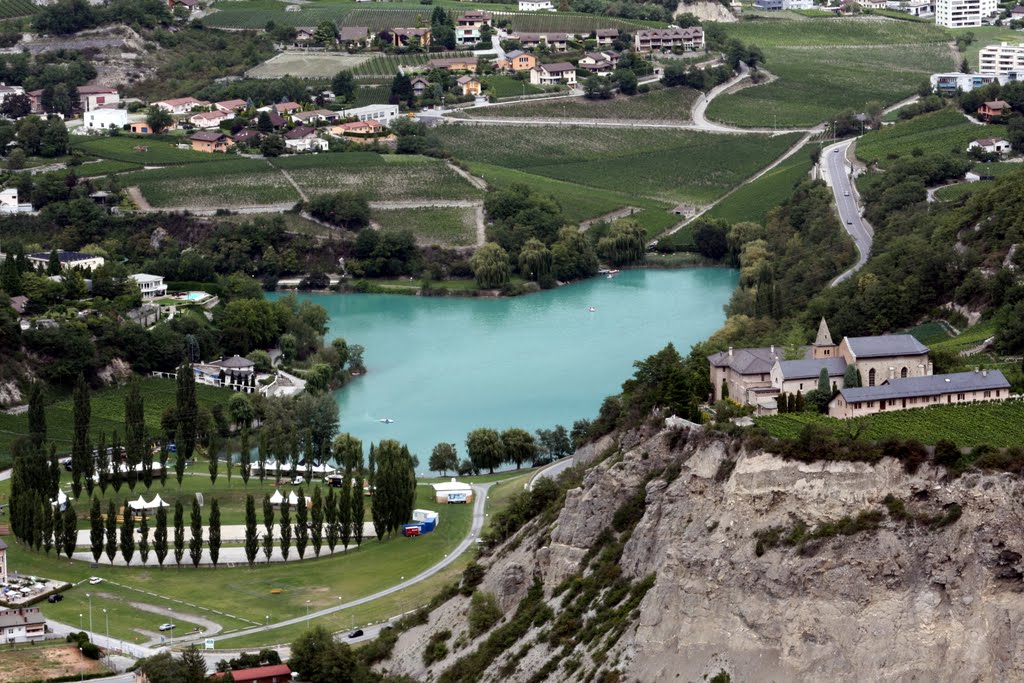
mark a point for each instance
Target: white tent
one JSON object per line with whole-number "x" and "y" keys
{"x": 139, "y": 504}
{"x": 293, "y": 499}
{"x": 277, "y": 498}
{"x": 158, "y": 502}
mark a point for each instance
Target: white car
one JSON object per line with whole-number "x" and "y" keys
{"x": 846, "y": 194}
{"x": 298, "y": 480}
{"x": 166, "y": 627}
{"x": 94, "y": 580}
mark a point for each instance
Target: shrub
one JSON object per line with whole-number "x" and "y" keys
{"x": 472, "y": 576}
{"x": 484, "y": 613}
{"x": 436, "y": 648}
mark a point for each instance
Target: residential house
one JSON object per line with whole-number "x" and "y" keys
{"x": 305, "y": 35}
{"x": 994, "y": 110}
{"x": 22, "y": 625}
{"x": 354, "y": 36}
{"x": 453, "y": 64}
{"x": 1003, "y": 58}
{"x": 69, "y": 260}
{"x": 140, "y": 128}
{"x": 247, "y": 136}
{"x": 649, "y": 40}
{"x": 768, "y": 5}
{"x": 211, "y": 141}
{"x": 797, "y": 4}
{"x": 470, "y": 85}
{"x": 315, "y": 116}
{"x": 536, "y": 6}
{"x": 420, "y": 85}
{"x": 991, "y": 145}
{"x": 553, "y": 74}
{"x": 8, "y": 90}
{"x": 555, "y": 41}
{"x": 3, "y": 546}
{"x": 468, "y": 25}
{"x": 276, "y": 120}
{"x": 606, "y": 36}
{"x": 104, "y": 119}
{"x": 19, "y": 304}
{"x": 921, "y": 392}
{"x": 180, "y": 105}
{"x": 382, "y": 113}
{"x": 209, "y": 119}
{"x": 597, "y": 63}
{"x": 151, "y": 286}
{"x": 1017, "y": 13}
{"x": 274, "y": 673}
{"x": 190, "y": 5}
{"x": 362, "y": 132}
{"x": 286, "y": 108}
{"x": 963, "y": 13}
{"x": 9, "y": 203}
{"x": 403, "y": 37}
{"x": 517, "y": 60}
{"x": 304, "y": 139}
{"x": 93, "y": 97}
{"x": 231, "y": 106}
{"x": 918, "y": 8}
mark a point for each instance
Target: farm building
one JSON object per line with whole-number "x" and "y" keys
{"x": 453, "y": 492}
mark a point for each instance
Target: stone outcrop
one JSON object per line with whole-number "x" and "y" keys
{"x": 906, "y": 601}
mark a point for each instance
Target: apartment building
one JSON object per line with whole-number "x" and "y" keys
{"x": 1003, "y": 58}
{"x": 963, "y": 13}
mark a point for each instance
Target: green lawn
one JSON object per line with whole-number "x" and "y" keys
{"x": 997, "y": 169}
{"x": 753, "y": 202}
{"x": 231, "y": 183}
{"x": 665, "y": 165}
{"x": 827, "y": 32}
{"x": 816, "y": 84}
{"x": 144, "y": 150}
{"x": 443, "y": 226}
{"x": 380, "y": 177}
{"x": 668, "y": 104}
{"x": 995, "y": 424}
{"x": 941, "y": 132}
{"x": 506, "y": 86}
{"x": 107, "y": 413}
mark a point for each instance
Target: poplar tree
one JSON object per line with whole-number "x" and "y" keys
{"x": 144, "y": 539}
{"x": 36, "y": 415}
{"x": 212, "y": 447}
{"x": 301, "y": 530}
{"x": 331, "y": 519}
{"x": 245, "y": 459}
{"x": 134, "y": 432}
{"x": 394, "y": 487}
{"x": 188, "y": 416}
{"x": 358, "y": 509}
{"x": 103, "y": 463}
{"x": 116, "y": 461}
{"x": 46, "y": 527}
{"x": 36, "y": 519}
{"x": 261, "y": 456}
{"x": 317, "y": 517}
{"x": 53, "y": 488}
{"x": 345, "y": 506}
{"x": 57, "y": 524}
{"x": 127, "y": 536}
{"x": 111, "y": 545}
{"x": 80, "y": 445}
{"x": 70, "y": 531}
{"x": 378, "y": 498}
{"x": 163, "y": 463}
{"x": 90, "y": 469}
{"x": 96, "y": 529}
{"x": 179, "y": 532}
{"x": 160, "y": 536}
{"x": 252, "y": 541}
{"x": 214, "y": 542}
{"x": 195, "y": 544}
{"x": 286, "y": 530}
{"x": 268, "y": 525}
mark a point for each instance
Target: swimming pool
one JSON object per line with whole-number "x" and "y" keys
{"x": 196, "y": 296}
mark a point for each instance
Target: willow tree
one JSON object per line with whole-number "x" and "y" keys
{"x": 624, "y": 243}
{"x": 490, "y": 266}
{"x": 535, "y": 260}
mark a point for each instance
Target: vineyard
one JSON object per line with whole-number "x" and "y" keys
{"x": 995, "y": 424}
{"x": 386, "y": 65}
{"x": 16, "y": 8}
{"x": 539, "y": 22}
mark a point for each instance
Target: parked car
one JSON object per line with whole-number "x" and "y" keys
{"x": 56, "y": 597}
{"x": 356, "y": 634}
{"x": 67, "y": 464}
{"x": 299, "y": 479}
{"x": 166, "y": 627}
{"x": 94, "y": 580}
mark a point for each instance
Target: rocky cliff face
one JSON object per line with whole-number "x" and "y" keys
{"x": 919, "y": 592}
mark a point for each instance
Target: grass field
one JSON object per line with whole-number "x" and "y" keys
{"x": 850, "y": 31}
{"x": 995, "y": 424}
{"x": 753, "y": 202}
{"x": 307, "y": 65}
{"x": 815, "y": 84}
{"x": 954, "y": 193}
{"x": 232, "y": 182}
{"x": 147, "y": 150}
{"x": 997, "y": 169}
{"x": 942, "y": 132}
{"x": 505, "y": 86}
{"x": 107, "y": 413}
{"x": 100, "y": 167}
{"x": 450, "y": 227}
{"x": 669, "y": 104}
{"x": 381, "y": 178}
{"x": 669, "y": 166}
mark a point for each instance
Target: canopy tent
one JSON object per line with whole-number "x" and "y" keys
{"x": 275, "y": 466}
{"x": 159, "y": 502}
{"x": 277, "y": 498}
{"x": 141, "y": 503}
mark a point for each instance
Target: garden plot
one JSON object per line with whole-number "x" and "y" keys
{"x": 307, "y": 65}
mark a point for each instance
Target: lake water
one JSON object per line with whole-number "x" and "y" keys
{"x": 441, "y": 367}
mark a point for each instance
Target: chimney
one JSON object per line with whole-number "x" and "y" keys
{"x": 976, "y": 369}
{"x": 930, "y": 369}
{"x": 773, "y": 349}
{"x": 984, "y": 373}
{"x": 730, "y": 352}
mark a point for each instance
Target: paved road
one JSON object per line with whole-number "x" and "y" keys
{"x": 553, "y": 470}
{"x": 370, "y": 632}
{"x": 837, "y": 176}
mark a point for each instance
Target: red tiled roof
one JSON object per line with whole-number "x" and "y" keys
{"x": 260, "y": 672}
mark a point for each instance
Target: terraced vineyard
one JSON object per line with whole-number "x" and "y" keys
{"x": 939, "y": 132}
{"x": 386, "y": 65}
{"x": 995, "y": 424}
{"x": 16, "y": 8}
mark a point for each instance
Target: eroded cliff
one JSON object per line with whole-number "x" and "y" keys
{"x": 764, "y": 568}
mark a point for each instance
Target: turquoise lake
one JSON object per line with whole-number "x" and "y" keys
{"x": 441, "y": 367}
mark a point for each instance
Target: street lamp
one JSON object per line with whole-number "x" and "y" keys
{"x": 307, "y": 608}
{"x": 268, "y": 620}
{"x": 106, "y": 615}
{"x": 79, "y": 621}
{"x": 89, "y": 595}
{"x": 81, "y": 656}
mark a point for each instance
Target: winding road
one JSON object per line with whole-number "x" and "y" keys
{"x": 836, "y": 174}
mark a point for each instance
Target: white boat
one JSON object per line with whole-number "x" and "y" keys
{"x": 386, "y": 420}
{"x": 592, "y": 309}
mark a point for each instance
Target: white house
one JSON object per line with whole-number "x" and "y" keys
{"x": 382, "y": 113}
{"x": 22, "y": 625}
{"x": 209, "y": 119}
{"x": 9, "y": 202}
{"x": 553, "y": 74}
{"x": 93, "y": 97}
{"x": 105, "y": 119}
{"x": 536, "y": 6}
{"x": 8, "y": 90}
{"x": 453, "y": 492}
{"x": 68, "y": 260}
{"x": 991, "y": 145}
{"x": 151, "y": 286}
{"x": 304, "y": 139}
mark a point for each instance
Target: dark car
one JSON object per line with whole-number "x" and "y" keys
{"x": 356, "y": 634}
{"x": 56, "y": 597}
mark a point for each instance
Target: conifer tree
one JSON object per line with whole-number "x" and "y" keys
{"x": 301, "y": 530}
{"x": 160, "y": 536}
{"x": 188, "y": 416}
{"x": 316, "y": 533}
{"x": 179, "y": 532}
{"x": 252, "y": 541}
{"x": 331, "y": 519}
{"x": 70, "y": 530}
{"x": 111, "y": 524}
{"x": 268, "y": 525}
{"x": 245, "y": 458}
{"x": 214, "y": 542}
{"x": 144, "y": 538}
{"x": 195, "y": 544}
{"x": 36, "y": 415}
{"x": 358, "y": 509}
{"x": 286, "y": 530}
{"x": 46, "y": 530}
{"x": 127, "y": 535}
{"x": 80, "y": 454}
{"x": 96, "y": 529}
{"x": 134, "y": 432}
